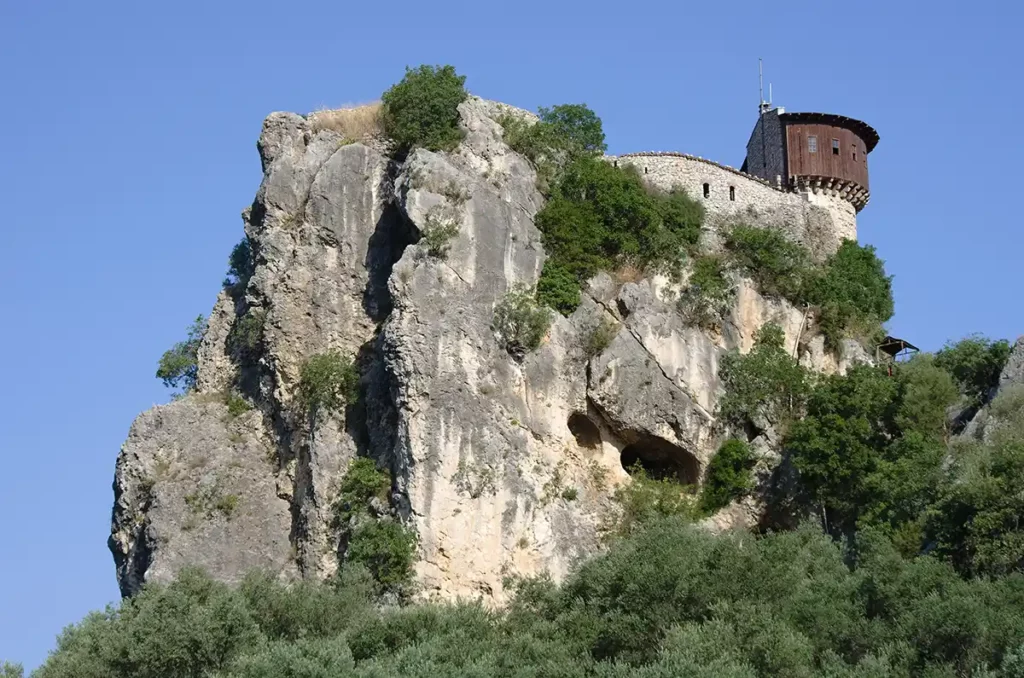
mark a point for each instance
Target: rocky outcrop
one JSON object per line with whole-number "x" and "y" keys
{"x": 502, "y": 464}
{"x": 982, "y": 424}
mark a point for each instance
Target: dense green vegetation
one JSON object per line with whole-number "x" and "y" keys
{"x": 178, "y": 367}
{"x": 245, "y": 338}
{"x": 975, "y": 363}
{"x": 850, "y": 291}
{"x": 241, "y": 266}
{"x": 666, "y": 601}
{"x": 728, "y": 476}
{"x": 422, "y": 109}
{"x": 765, "y": 387}
{"x": 708, "y": 294}
{"x": 327, "y": 382}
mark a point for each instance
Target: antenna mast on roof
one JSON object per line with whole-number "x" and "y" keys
{"x": 764, "y": 106}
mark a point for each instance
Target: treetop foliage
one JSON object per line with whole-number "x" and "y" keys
{"x": 178, "y": 367}
{"x": 241, "y": 265}
{"x": 422, "y": 109}
{"x": 764, "y": 387}
{"x": 327, "y": 382}
{"x": 728, "y": 476}
{"x": 975, "y": 363}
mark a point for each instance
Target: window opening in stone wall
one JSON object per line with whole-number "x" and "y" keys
{"x": 732, "y": 193}
{"x": 707, "y": 190}
{"x": 812, "y": 144}
{"x": 835, "y": 147}
{"x": 645, "y": 170}
{"x": 855, "y": 154}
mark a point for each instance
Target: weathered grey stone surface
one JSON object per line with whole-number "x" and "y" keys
{"x": 501, "y": 465}
{"x": 195, "y": 486}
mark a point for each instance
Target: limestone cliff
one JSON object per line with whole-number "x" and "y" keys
{"x": 481, "y": 446}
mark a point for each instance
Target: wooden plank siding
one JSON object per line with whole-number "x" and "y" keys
{"x": 850, "y": 165}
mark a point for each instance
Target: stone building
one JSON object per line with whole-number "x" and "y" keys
{"x": 805, "y": 174}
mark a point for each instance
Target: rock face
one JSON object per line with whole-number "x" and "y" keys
{"x": 1012, "y": 377}
{"x": 502, "y": 466}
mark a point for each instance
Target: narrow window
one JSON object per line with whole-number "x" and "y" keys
{"x": 812, "y": 144}
{"x": 707, "y": 190}
{"x": 732, "y": 193}
{"x": 835, "y": 147}
{"x": 855, "y": 154}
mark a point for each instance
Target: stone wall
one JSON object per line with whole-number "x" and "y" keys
{"x": 766, "y": 157}
{"x": 818, "y": 221}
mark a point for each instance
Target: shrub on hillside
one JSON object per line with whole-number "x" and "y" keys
{"x": 327, "y": 382}
{"x": 422, "y": 109}
{"x": 520, "y": 322}
{"x": 387, "y": 549}
{"x": 245, "y": 338}
{"x": 241, "y": 265}
{"x": 777, "y": 265}
{"x": 708, "y": 295}
{"x": 975, "y": 362}
{"x": 362, "y": 482}
{"x": 728, "y": 476}
{"x": 645, "y": 500}
{"x": 442, "y": 225}
{"x": 765, "y": 386}
{"x": 562, "y": 134}
{"x": 178, "y": 367}
{"x": 600, "y": 217}
{"x": 853, "y": 294}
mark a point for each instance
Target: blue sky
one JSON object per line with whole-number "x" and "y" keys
{"x": 127, "y": 152}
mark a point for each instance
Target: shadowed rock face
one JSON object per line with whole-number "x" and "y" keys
{"x": 481, "y": 446}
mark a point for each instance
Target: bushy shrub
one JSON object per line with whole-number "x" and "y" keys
{"x": 241, "y": 265}
{"x": 442, "y": 225}
{"x": 708, "y": 294}
{"x": 600, "y": 217}
{"x": 361, "y": 483}
{"x": 777, "y": 265}
{"x": 975, "y": 521}
{"x": 853, "y": 294}
{"x": 563, "y": 134}
{"x": 422, "y": 109}
{"x": 387, "y": 549}
{"x": 327, "y": 382}
{"x": 178, "y": 367}
{"x": 558, "y": 288}
{"x": 765, "y": 386}
{"x": 975, "y": 362}
{"x": 598, "y": 338}
{"x": 245, "y": 338}
{"x": 644, "y": 500}
{"x": 11, "y": 670}
{"x": 237, "y": 405}
{"x": 519, "y": 322}
{"x": 728, "y": 476}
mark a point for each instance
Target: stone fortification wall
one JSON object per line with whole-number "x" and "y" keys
{"x": 819, "y": 221}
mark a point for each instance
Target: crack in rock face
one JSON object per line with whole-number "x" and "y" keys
{"x": 483, "y": 449}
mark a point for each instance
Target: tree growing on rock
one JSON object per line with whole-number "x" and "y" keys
{"x": 178, "y": 367}
{"x": 423, "y": 109}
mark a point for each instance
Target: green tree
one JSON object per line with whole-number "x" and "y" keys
{"x": 766, "y": 387}
{"x": 327, "y": 382}
{"x": 778, "y": 266}
{"x": 853, "y": 294}
{"x": 387, "y": 549}
{"x": 178, "y": 367}
{"x": 728, "y": 476}
{"x": 422, "y": 109}
{"x": 241, "y": 265}
{"x": 245, "y": 338}
{"x": 10, "y": 670}
{"x": 976, "y": 520}
{"x": 975, "y": 362}
{"x": 361, "y": 483}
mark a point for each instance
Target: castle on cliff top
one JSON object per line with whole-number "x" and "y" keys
{"x": 804, "y": 173}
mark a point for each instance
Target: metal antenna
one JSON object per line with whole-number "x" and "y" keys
{"x": 764, "y": 106}
{"x": 770, "y": 94}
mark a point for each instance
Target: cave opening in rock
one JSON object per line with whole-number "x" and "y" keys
{"x": 584, "y": 430}
{"x": 661, "y": 459}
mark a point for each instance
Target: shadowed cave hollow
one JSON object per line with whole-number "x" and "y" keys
{"x": 661, "y": 459}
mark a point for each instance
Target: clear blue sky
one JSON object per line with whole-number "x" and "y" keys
{"x": 127, "y": 151}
